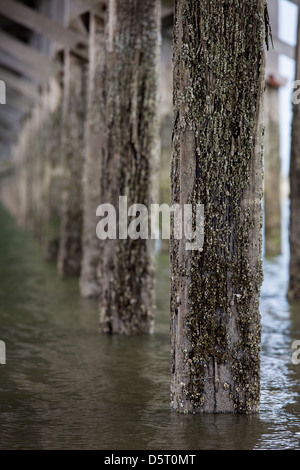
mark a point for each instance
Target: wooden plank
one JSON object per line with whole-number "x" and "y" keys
{"x": 17, "y": 101}
{"x": 41, "y": 24}
{"x": 28, "y": 55}
{"x": 12, "y": 112}
{"x": 95, "y": 6}
{"x": 283, "y": 48}
{"x": 19, "y": 84}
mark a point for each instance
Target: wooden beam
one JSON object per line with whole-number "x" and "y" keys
{"x": 13, "y": 109}
{"x": 17, "y": 101}
{"x": 28, "y": 55}
{"x": 20, "y": 67}
{"x": 95, "y": 6}
{"x": 41, "y": 24}
{"x": 19, "y": 84}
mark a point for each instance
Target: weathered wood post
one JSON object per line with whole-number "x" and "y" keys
{"x": 93, "y": 141}
{"x": 53, "y": 185}
{"x": 217, "y": 161}
{"x": 294, "y": 269}
{"x": 130, "y": 161}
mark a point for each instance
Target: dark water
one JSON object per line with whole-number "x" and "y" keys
{"x": 65, "y": 387}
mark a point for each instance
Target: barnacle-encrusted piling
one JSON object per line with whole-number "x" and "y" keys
{"x": 130, "y": 161}
{"x": 70, "y": 245}
{"x": 217, "y": 161}
{"x": 93, "y": 142}
{"x": 272, "y": 170}
{"x": 53, "y": 184}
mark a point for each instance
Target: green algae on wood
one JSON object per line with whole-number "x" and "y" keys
{"x": 218, "y": 89}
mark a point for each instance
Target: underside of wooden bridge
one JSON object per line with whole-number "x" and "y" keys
{"x": 35, "y": 36}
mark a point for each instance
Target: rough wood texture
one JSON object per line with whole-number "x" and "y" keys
{"x": 217, "y": 161}
{"x": 70, "y": 244}
{"x": 53, "y": 185}
{"x": 130, "y": 161}
{"x": 272, "y": 167}
{"x": 94, "y": 139}
{"x": 294, "y": 284}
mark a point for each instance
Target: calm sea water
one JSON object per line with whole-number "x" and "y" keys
{"x": 66, "y": 387}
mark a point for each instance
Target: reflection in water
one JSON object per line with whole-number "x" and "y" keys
{"x": 280, "y": 403}
{"x": 64, "y": 386}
